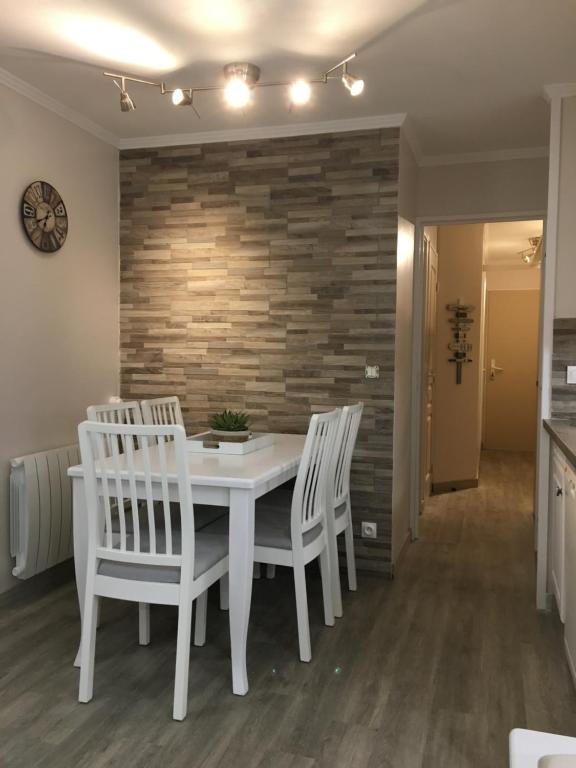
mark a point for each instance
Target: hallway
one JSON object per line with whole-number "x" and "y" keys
{"x": 499, "y": 664}
{"x": 431, "y": 670}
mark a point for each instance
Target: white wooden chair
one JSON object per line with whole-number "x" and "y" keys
{"x": 155, "y": 563}
{"x": 339, "y": 512}
{"x": 537, "y": 749}
{"x": 115, "y": 413}
{"x": 166, "y": 410}
{"x": 293, "y": 531}
{"x": 162, "y": 410}
{"x": 122, "y": 413}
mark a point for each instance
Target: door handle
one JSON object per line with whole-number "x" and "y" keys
{"x": 494, "y": 369}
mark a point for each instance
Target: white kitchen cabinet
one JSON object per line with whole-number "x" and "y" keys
{"x": 570, "y": 569}
{"x": 557, "y": 522}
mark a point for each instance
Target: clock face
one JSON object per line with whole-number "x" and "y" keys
{"x": 44, "y": 216}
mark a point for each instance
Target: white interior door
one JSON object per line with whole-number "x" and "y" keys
{"x": 431, "y": 262}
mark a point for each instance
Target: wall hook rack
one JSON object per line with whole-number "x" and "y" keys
{"x": 460, "y": 346}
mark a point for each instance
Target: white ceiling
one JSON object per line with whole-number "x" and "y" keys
{"x": 469, "y": 73}
{"x": 504, "y": 240}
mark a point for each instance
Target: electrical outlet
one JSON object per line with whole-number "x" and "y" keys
{"x": 372, "y": 371}
{"x": 571, "y": 374}
{"x": 369, "y": 530}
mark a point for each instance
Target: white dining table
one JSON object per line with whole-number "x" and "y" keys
{"x": 221, "y": 480}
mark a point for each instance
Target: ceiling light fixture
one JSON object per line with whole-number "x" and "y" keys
{"x": 354, "y": 84}
{"x": 242, "y": 78}
{"x": 532, "y": 256}
{"x": 126, "y": 102}
{"x": 300, "y": 92}
{"x": 181, "y": 98}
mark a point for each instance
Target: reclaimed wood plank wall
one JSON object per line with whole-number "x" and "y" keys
{"x": 261, "y": 275}
{"x": 563, "y": 354}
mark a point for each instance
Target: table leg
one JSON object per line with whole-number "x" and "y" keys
{"x": 241, "y": 566}
{"x": 80, "y": 533}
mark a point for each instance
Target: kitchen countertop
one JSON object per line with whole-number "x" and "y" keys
{"x": 564, "y": 435}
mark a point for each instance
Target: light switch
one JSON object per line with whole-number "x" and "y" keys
{"x": 372, "y": 371}
{"x": 571, "y": 374}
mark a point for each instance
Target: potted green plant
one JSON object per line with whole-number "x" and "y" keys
{"x": 230, "y": 425}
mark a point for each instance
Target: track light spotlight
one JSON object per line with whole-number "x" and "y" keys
{"x": 241, "y": 78}
{"x": 181, "y": 98}
{"x": 300, "y": 92}
{"x": 354, "y": 84}
{"x": 126, "y": 103}
{"x": 237, "y": 93}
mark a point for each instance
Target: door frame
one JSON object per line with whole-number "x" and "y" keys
{"x": 544, "y": 360}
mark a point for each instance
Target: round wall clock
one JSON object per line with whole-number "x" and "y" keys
{"x": 44, "y": 216}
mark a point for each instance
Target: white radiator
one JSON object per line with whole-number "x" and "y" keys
{"x": 41, "y": 510}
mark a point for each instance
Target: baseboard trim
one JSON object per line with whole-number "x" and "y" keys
{"x": 454, "y": 485}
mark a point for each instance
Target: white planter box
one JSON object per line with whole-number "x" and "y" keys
{"x": 258, "y": 441}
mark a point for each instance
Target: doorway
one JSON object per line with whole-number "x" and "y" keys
{"x": 478, "y": 377}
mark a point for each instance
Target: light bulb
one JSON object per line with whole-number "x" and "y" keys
{"x": 126, "y": 103}
{"x": 181, "y": 98}
{"x": 178, "y": 97}
{"x": 354, "y": 84}
{"x": 300, "y": 92}
{"x": 237, "y": 93}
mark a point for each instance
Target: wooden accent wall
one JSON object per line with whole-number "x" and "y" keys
{"x": 563, "y": 354}
{"x": 261, "y": 275}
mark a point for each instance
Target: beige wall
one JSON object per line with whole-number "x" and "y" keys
{"x": 59, "y": 312}
{"x": 506, "y": 186}
{"x": 566, "y": 244}
{"x": 456, "y": 407}
{"x": 523, "y": 279}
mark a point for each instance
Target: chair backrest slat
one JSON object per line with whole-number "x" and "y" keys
{"x": 310, "y": 490}
{"x": 133, "y": 494}
{"x": 115, "y": 413}
{"x": 344, "y": 450}
{"x": 165, "y": 493}
{"x": 162, "y": 410}
{"x": 119, "y": 496}
{"x": 101, "y": 456}
{"x": 157, "y": 473}
{"x": 149, "y": 494}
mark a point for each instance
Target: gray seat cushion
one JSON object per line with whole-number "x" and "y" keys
{"x": 282, "y": 497}
{"x": 209, "y": 550}
{"x": 272, "y": 527}
{"x": 203, "y": 516}
{"x": 341, "y": 510}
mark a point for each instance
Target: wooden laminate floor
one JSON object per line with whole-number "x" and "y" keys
{"x": 429, "y": 671}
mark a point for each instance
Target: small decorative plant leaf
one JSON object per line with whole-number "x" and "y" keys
{"x": 230, "y": 421}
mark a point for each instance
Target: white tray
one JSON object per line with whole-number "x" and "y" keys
{"x": 256, "y": 442}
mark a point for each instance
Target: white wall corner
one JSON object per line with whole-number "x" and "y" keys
{"x": 411, "y": 136}
{"x": 265, "y": 132}
{"x": 60, "y": 109}
{"x": 559, "y": 91}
